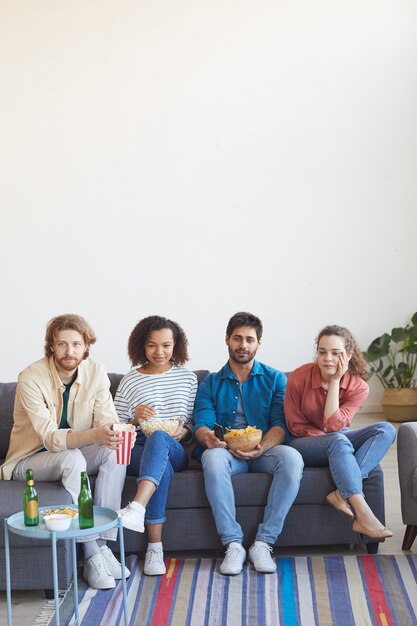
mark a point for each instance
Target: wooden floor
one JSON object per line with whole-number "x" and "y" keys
{"x": 28, "y": 604}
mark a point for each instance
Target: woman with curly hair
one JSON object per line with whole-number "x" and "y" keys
{"x": 157, "y": 386}
{"x": 320, "y": 401}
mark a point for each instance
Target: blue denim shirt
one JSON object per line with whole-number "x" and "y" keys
{"x": 262, "y": 395}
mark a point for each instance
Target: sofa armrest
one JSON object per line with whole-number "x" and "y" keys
{"x": 407, "y": 470}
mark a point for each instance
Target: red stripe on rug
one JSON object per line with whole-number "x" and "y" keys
{"x": 382, "y": 613}
{"x": 166, "y": 593}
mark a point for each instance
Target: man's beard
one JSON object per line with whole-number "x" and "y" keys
{"x": 69, "y": 365}
{"x": 245, "y": 357}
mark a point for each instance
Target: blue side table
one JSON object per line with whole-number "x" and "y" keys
{"x": 103, "y": 520}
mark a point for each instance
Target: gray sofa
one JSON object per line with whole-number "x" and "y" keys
{"x": 190, "y": 524}
{"x": 407, "y": 470}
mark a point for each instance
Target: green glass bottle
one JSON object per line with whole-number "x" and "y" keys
{"x": 85, "y": 504}
{"x": 30, "y": 501}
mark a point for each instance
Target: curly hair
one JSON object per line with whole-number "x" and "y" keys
{"x": 244, "y": 319}
{"x": 357, "y": 364}
{"x": 140, "y": 334}
{"x": 68, "y": 321}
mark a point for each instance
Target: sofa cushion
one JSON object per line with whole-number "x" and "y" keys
{"x": 187, "y": 489}
{"x": 7, "y": 395}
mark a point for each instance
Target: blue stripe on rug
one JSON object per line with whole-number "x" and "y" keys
{"x": 401, "y": 585}
{"x": 192, "y": 593}
{"x": 97, "y": 608}
{"x": 158, "y": 580}
{"x": 313, "y": 591}
{"x": 403, "y": 588}
{"x": 250, "y": 597}
{"x": 260, "y": 598}
{"x": 288, "y": 596}
{"x": 413, "y": 564}
{"x": 245, "y": 597}
{"x": 340, "y": 604}
{"x": 225, "y": 605}
{"x": 138, "y": 595}
{"x": 209, "y": 594}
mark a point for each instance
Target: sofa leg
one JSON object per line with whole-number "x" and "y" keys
{"x": 410, "y": 535}
{"x": 372, "y": 547}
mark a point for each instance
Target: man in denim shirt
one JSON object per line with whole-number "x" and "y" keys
{"x": 245, "y": 392}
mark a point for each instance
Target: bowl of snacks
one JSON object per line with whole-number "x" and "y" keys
{"x": 244, "y": 439}
{"x": 58, "y": 521}
{"x": 61, "y": 510}
{"x": 152, "y": 424}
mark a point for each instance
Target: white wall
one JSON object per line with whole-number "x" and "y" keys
{"x": 193, "y": 159}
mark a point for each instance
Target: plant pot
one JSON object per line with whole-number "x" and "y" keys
{"x": 400, "y": 405}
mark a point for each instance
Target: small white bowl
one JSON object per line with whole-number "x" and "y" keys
{"x": 58, "y": 522}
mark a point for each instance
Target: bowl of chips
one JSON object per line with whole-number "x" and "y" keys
{"x": 152, "y": 424}
{"x": 244, "y": 439}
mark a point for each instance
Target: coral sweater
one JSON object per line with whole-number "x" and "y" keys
{"x": 305, "y": 399}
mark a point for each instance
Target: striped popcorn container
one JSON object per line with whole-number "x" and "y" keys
{"x": 124, "y": 449}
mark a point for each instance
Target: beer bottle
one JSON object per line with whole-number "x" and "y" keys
{"x": 30, "y": 501}
{"x": 85, "y": 504}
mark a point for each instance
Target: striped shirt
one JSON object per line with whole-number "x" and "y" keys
{"x": 171, "y": 394}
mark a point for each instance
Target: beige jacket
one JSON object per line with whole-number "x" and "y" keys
{"x": 38, "y": 408}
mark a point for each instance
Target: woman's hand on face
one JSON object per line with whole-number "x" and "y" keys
{"x": 144, "y": 412}
{"x": 342, "y": 366}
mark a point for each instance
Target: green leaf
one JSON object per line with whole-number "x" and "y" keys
{"x": 414, "y": 319}
{"x": 387, "y": 371}
{"x": 412, "y": 331}
{"x": 399, "y": 334}
{"x": 378, "y": 348}
{"x": 402, "y": 367}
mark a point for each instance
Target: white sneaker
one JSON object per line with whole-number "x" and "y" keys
{"x": 113, "y": 564}
{"x": 154, "y": 563}
{"x": 260, "y": 555}
{"x": 97, "y": 574}
{"x": 131, "y": 519}
{"x": 235, "y": 557}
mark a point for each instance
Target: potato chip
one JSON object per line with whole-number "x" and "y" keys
{"x": 62, "y": 510}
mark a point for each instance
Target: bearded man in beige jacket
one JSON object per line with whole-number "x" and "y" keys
{"x": 63, "y": 417}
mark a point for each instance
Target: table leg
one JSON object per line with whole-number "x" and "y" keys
{"x": 55, "y": 573}
{"x": 8, "y": 585}
{"x": 122, "y": 562}
{"x": 75, "y": 580}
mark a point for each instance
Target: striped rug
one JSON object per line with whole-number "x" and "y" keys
{"x": 310, "y": 591}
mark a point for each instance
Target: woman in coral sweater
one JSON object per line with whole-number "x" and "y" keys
{"x": 320, "y": 401}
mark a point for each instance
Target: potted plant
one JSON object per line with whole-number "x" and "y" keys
{"x": 393, "y": 360}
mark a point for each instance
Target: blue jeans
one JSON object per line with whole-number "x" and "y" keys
{"x": 350, "y": 454}
{"x": 282, "y": 462}
{"x": 156, "y": 458}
